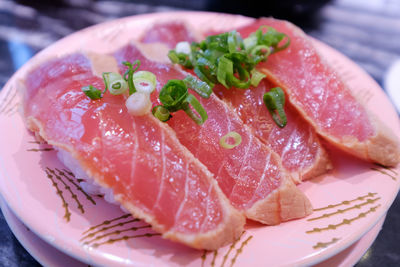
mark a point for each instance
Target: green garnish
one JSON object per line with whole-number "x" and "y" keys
{"x": 180, "y": 58}
{"x": 230, "y": 60}
{"x": 129, "y": 74}
{"x": 275, "y": 101}
{"x": 174, "y": 96}
{"x": 256, "y": 77}
{"x": 144, "y": 81}
{"x": 161, "y": 113}
{"x": 200, "y": 87}
{"x": 92, "y": 92}
{"x": 225, "y": 58}
{"x": 226, "y": 140}
{"x": 114, "y": 83}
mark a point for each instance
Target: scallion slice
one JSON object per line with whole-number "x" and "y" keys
{"x": 92, "y": 92}
{"x": 200, "y": 87}
{"x": 138, "y": 104}
{"x": 225, "y": 69}
{"x": 144, "y": 81}
{"x": 129, "y": 74}
{"x": 256, "y": 77}
{"x": 114, "y": 83}
{"x": 191, "y": 101}
{"x": 275, "y": 102}
{"x": 161, "y": 113}
{"x": 183, "y": 47}
{"x": 230, "y": 140}
{"x": 174, "y": 96}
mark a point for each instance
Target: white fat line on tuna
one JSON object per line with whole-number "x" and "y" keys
{"x": 267, "y": 161}
{"x": 207, "y": 207}
{"x": 310, "y": 141}
{"x": 200, "y": 138}
{"x": 178, "y": 213}
{"x": 288, "y": 144}
{"x": 243, "y": 162}
{"x": 135, "y": 149}
{"x": 220, "y": 167}
{"x": 228, "y": 119}
{"x": 162, "y": 148}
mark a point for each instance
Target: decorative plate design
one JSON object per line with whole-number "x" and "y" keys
{"x": 47, "y": 198}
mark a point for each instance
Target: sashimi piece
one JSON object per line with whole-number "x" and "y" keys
{"x": 161, "y": 32}
{"x": 137, "y": 157}
{"x": 297, "y": 144}
{"x": 324, "y": 100}
{"x": 250, "y": 174}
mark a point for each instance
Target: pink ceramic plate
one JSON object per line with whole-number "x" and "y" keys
{"x": 45, "y": 254}
{"x": 50, "y": 256}
{"x": 349, "y": 201}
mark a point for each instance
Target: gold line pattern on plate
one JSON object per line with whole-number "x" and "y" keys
{"x": 46, "y": 149}
{"x": 43, "y": 147}
{"x": 99, "y": 232}
{"x": 60, "y": 178}
{"x": 347, "y": 202}
{"x": 385, "y": 171}
{"x": 326, "y": 244}
{"x": 227, "y": 253}
{"x": 344, "y": 222}
{"x": 67, "y": 214}
{"x": 341, "y": 211}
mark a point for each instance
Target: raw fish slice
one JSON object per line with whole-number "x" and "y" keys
{"x": 250, "y": 174}
{"x": 169, "y": 32}
{"x": 317, "y": 92}
{"x": 297, "y": 144}
{"x": 139, "y": 158}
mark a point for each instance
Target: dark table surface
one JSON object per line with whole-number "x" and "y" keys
{"x": 368, "y": 32}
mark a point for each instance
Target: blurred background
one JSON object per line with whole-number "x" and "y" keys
{"x": 367, "y": 31}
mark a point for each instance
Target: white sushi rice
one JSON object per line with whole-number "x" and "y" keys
{"x": 88, "y": 184}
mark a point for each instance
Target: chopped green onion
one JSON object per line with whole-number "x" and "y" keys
{"x": 227, "y": 58}
{"x": 233, "y": 41}
{"x": 261, "y": 50}
{"x": 174, "y": 96}
{"x": 114, "y": 83}
{"x": 230, "y": 60}
{"x": 250, "y": 42}
{"x": 183, "y": 47}
{"x": 161, "y": 113}
{"x": 202, "y": 77}
{"x": 129, "y": 74}
{"x": 225, "y": 68}
{"x": 207, "y": 69}
{"x": 256, "y": 77}
{"x": 226, "y": 140}
{"x": 275, "y": 102}
{"x": 200, "y": 87}
{"x": 180, "y": 58}
{"x": 144, "y": 81}
{"x": 192, "y": 101}
{"x": 138, "y": 104}
{"x": 92, "y": 92}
